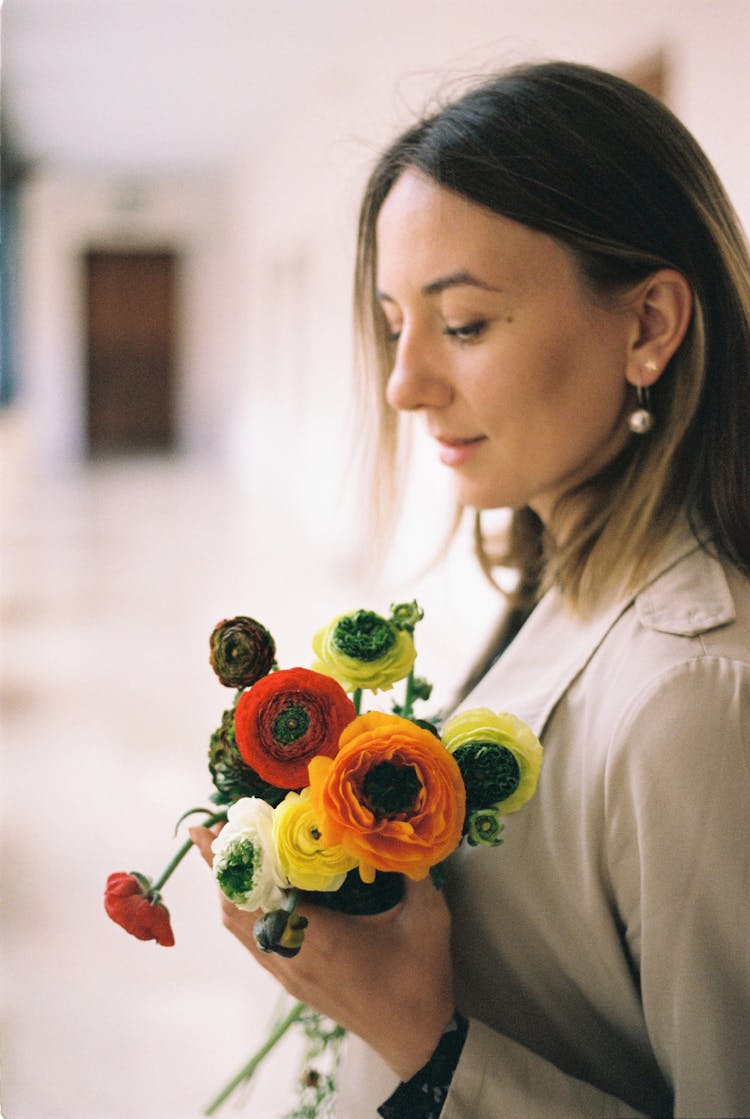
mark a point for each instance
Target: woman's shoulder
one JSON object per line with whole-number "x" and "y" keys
{"x": 690, "y": 622}
{"x": 675, "y": 658}
{"x": 691, "y": 612}
{"x": 675, "y": 668}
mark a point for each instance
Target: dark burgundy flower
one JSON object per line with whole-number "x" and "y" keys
{"x": 130, "y": 902}
{"x": 242, "y": 651}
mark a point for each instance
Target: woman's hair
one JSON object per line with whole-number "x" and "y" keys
{"x": 607, "y": 170}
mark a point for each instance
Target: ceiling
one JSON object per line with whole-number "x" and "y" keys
{"x": 137, "y": 88}
{"x": 180, "y": 87}
{"x": 158, "y": 86}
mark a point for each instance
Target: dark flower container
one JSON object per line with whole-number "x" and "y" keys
{"x": 363, "y": 898}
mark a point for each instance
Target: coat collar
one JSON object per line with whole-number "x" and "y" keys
{"x": 686, "y": 593}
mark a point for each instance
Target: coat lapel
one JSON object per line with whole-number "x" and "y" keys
{"x": 527, "y": 680}
{"x": 555, "y": 645}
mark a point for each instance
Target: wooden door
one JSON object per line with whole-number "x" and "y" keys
{"x": 130, "y": 301}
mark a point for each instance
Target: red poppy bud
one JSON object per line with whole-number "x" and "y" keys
{"x": 128, "y": 902}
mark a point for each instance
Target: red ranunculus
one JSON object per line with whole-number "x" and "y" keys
{"x": 128, "y": 902}
{"x": 288, "y": 718}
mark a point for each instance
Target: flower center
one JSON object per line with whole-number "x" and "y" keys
{"x": 364, "y": 636}
{"x": 237, "y": 871}
{"x": 290, "y": 724}
{"x": 390, "y": 790}
{"x": 490, "y": 772}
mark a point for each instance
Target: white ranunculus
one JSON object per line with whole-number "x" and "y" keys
{"x": 246, "y": 864}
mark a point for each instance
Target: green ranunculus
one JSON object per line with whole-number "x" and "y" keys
{"x": 364, "y": 650}
{"x": 246, "y": 864}
{"x": 502, "y": 757}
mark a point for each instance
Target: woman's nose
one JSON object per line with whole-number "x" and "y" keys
{"x": 415, "y": 381}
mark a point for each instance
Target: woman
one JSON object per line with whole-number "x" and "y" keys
{"x": 550, "y": 275}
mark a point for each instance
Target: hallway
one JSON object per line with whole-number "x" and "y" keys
{"x": 112, "y": 578}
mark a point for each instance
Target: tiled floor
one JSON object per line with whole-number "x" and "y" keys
{"x": 112, "y": 578}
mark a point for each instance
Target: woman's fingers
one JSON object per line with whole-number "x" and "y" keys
{"x": 427, "y": 907}
{"x": 203, "y": 838}
{"x": 386, "y": 977}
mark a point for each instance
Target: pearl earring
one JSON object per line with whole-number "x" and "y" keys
{"x": 642, "y": 420}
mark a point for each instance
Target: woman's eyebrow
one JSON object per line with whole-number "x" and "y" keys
{"x": 453, "y": 280}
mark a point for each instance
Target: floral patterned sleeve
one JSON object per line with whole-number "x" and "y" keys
{"x": 423, "y": 1096}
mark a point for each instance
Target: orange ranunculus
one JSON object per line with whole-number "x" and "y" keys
{"x": 392, "y": 796}
{"x": 287, "y": 718}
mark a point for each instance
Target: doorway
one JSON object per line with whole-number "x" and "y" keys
{"x": 130, "y": 299}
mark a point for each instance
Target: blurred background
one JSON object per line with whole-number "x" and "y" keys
{"x": 180, "y": 182}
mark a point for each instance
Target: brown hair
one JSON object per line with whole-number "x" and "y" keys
{"x": 595, "y": 162}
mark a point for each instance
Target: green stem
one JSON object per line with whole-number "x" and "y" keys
{"x": 172, "y": 865}
{"x": 357, "y": 699}
{"x": 247, "y": 1071}
{"x": 406, "y": 711}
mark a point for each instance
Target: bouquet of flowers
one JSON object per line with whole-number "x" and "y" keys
{"x": 319, "y": 798}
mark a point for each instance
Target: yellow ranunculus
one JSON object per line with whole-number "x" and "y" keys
{"x": 364, "y": 650}
{"x": 306, "y": 862}
{"x": 481, "y": 725}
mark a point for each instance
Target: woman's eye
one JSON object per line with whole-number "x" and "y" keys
{"x": 467, "y": 332}
{"x": 391, "y": 330}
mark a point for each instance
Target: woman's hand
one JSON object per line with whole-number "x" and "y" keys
{"x": 386, "y": 978}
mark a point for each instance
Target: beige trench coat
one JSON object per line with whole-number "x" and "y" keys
{"x": 603, "y": 952}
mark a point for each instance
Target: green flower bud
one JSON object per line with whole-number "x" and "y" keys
{"x": 231, "y": 776}
{"x": 405, "y": 615}
{"x": 485, "y": 828}
{"x": 421, "y": 688}
{"x": 242, "y": 651}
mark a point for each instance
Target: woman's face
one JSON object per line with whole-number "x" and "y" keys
{"x": 518, "y": 373}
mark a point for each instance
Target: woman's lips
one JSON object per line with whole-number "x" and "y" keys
{"x": 457, "y": 452}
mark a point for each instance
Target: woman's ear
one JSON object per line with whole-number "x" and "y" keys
{"x": 662, "y": 306}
